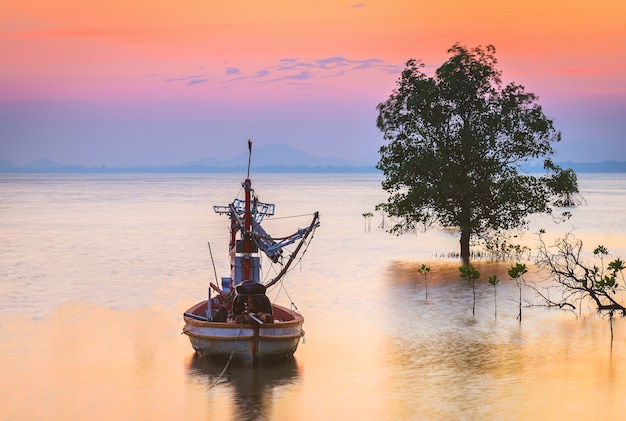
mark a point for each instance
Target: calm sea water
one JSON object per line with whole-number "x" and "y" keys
{"x": 96, "y": 271}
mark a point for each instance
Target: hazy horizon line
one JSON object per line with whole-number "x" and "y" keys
{"x": 6, "y": 167}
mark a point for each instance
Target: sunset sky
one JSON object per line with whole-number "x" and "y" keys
{"x": 138, "y": 82}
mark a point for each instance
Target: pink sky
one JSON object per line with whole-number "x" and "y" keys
{"x": 139, "y": 82}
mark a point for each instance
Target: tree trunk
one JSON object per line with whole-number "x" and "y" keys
{"x": 465, "y": 246}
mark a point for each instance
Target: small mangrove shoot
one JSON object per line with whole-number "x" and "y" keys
{"x": 516, "y": 273}
{"x": 424, "y": 270}
{"x": 470, "y": 273}
{"x": 493, "y": 280}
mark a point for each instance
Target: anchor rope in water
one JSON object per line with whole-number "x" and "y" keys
{"x": 229, "y": 359}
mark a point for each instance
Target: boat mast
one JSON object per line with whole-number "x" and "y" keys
{"x": 247, "y": 237}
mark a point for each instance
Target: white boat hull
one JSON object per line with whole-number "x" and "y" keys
{"x": 246, "y": 343}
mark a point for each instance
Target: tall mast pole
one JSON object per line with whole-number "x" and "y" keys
{"x": 247, "y": 239}
{"x": 249, "y": 156}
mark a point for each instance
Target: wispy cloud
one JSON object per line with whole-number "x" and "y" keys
{"x": 190, "y": 80}
{"x": 288, "y": 69}
{"x": 358, "y": 5}
{"x": 185, "y": 78}
{"x": 196, "y": 81}
{"x": 299, "y": 76}
{"x": 295, "y": 69}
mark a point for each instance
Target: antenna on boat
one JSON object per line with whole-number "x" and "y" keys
{"x": 209, "y": 316}
{"x": 249, "y": 156}
{"x": 212, "y": 261}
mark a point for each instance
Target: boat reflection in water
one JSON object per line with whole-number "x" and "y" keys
{"x": 253, "y": 390}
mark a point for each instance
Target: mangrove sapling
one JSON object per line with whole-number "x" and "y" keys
{"x": 516, "y": 273}
{"x": 611, "y": 325}
{"x": 368, "y": 220}
{"x": 424, "y": 271}
{"x": 471, "y": 274}
{"x": 493, "y": 280}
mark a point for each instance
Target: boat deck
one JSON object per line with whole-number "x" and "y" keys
{"x": 281, "y": 314}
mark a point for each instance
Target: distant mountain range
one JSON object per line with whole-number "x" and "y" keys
{"x": 275, "y": 154}
{"x": 265, "y": 158}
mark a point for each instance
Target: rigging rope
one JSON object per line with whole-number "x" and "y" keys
{"x": 293, "y": 216}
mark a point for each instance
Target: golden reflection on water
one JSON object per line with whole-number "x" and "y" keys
{"x": 87, "y": 362}
{"x": 450, "y": 364}
{"x": 567, "y": 376}
{"x": 407, "y": 359}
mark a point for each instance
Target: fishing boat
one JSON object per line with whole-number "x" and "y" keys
{"x": 240, "y": 322}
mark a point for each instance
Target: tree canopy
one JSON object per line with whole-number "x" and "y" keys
{"x": 456, "y": 141}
